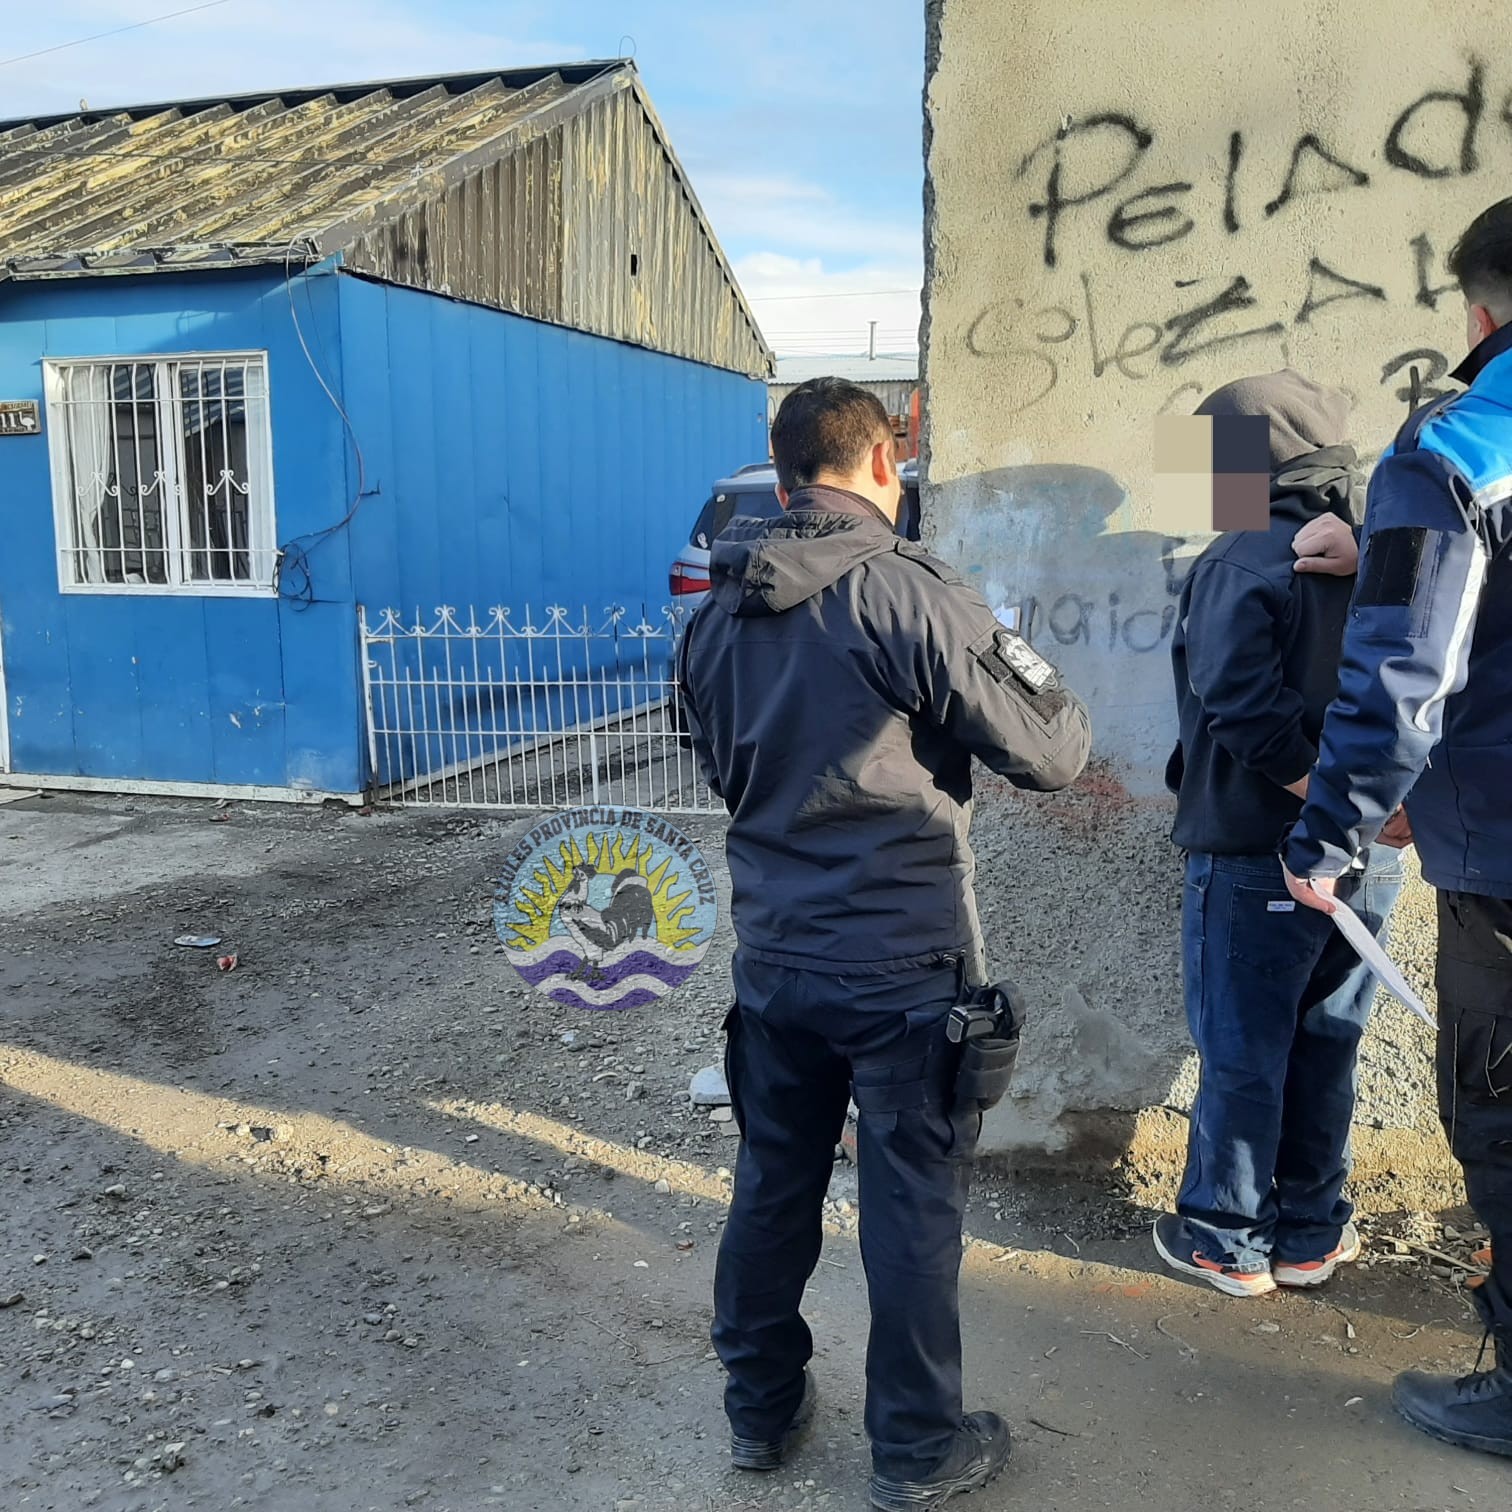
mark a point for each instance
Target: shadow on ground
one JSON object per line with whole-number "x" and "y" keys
{"x": 470, "y": 1266}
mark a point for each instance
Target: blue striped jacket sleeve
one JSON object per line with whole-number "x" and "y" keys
{"x": 1406, "y": 651}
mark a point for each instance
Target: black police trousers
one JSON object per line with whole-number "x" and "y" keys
{"x": 1475, "y": 1058}
{"x": 799, "y": 1045}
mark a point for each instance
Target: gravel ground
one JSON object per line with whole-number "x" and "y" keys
{"x": 363, "y": 1224}
{"x": 1080, "y": 896}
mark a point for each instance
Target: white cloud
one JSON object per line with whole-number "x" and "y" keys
{"x": 809, "y": 258}
{"x": 775, "y": 188}
{"x": 816, "y": 271}
{"x": 794, "y": 214}
{"x": 806, "y": 308}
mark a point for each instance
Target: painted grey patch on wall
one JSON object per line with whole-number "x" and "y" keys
{"x": 1097, "y": 599}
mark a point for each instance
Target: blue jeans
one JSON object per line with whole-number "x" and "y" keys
{"x": 1277, "y": 1002}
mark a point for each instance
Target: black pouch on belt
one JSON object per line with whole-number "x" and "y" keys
{"x": 986, "y": 1025}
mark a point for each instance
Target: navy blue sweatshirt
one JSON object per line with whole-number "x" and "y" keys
{"x": 1256, "y": 661}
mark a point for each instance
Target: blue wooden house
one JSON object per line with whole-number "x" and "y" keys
{"x": 464, "y": 341}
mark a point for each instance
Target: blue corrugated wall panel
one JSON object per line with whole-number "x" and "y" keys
{"x": 183, "y": 687}
{"x": 518, "y": 464}
{"x": 505, "y": 462}
{"x": 513, "y": 462}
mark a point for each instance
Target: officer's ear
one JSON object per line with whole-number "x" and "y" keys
{"x": 884, "y": 463}
{"x": 783, "y": 496}
{"x": 1480, "y": 324}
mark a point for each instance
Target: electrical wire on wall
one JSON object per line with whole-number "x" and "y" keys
{"x": 291, "y": 573}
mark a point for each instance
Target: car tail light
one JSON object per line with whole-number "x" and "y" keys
{"x": 685, "y": 579}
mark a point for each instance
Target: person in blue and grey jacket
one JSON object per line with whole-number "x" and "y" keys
{"x": 1276, "y": 997}
{"x": 1424, "y": 714}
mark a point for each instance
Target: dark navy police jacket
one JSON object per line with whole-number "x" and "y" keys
{"x": 837, "y": 683}
{"x": 1424, "y": 711}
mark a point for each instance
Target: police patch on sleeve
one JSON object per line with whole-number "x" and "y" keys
{"x": 1393, "y": 566}
{"x": 1007, "y": 655}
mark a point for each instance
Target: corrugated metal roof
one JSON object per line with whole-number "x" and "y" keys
{"x": 887, "y": 368}
{"x": 549, "y": 191}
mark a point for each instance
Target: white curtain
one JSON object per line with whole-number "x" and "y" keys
{"x": 90, "y": 411}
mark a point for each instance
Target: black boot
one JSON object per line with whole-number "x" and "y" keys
{"x": 1473, "y": 1411}
{"x": 768, "y": 1454}
{"x": 981, "y": 1450}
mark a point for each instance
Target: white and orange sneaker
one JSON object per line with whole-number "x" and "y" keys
{"x": 1175, "y": 1246}
{"x": 1316, "y": 1272}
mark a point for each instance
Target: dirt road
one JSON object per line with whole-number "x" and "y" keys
{"x": 353, "y": 1227}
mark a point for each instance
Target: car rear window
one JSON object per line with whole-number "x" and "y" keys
{"x": 762, "y": 504}
{"x": 752, "y": 503}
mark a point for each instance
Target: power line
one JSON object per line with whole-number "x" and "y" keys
{"x": 842, "y": 338}
{"x": 891, "y": 338}
{"x": 848, "y": 329}
{"x": 848, "y": 294}
{"x": 845, "y": 338}
{"x": 861, "y": 327}
{"x": 42, "y": 52}
{"x": 889, "y": 354}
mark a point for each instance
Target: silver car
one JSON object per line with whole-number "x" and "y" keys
{"x": 752, "y": 493}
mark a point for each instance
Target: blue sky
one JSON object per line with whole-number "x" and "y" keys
{"x": 798, "y": 121}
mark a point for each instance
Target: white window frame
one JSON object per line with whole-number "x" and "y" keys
{"x": 261, "y": 516}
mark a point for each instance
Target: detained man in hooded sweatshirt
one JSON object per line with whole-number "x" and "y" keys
{"x": 1276, "y": 998}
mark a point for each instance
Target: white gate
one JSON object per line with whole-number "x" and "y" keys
{"x": 505, "y": 715}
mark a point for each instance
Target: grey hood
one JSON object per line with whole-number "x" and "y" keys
{"x": 1304, "y": 416}
{"x": 759, "y": 567}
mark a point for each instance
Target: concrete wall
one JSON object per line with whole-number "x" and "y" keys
{"x": 1126, "y": 206}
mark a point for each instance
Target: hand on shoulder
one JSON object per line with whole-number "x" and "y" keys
{"x": 1326, "y": 545}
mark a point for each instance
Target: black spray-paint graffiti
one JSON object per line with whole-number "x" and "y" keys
{"x": 1424, "y": 367}
{"x": 1087, "y": 175}
{"x": 1158, "y": 216}
{"x": 1043, "y": 341}
{"x": 1090, "y": 166}
{"x": 1073, "y": 619}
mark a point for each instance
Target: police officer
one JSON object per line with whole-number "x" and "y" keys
{"x": 838, "y": 683}
{"x": 1425, "y": 713}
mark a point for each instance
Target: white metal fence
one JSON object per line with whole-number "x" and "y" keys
{"x": 536, "y": 714}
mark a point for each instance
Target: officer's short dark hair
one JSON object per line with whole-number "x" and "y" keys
{"x": 1482, "y": 257}
{"x": 826, "y": 425}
